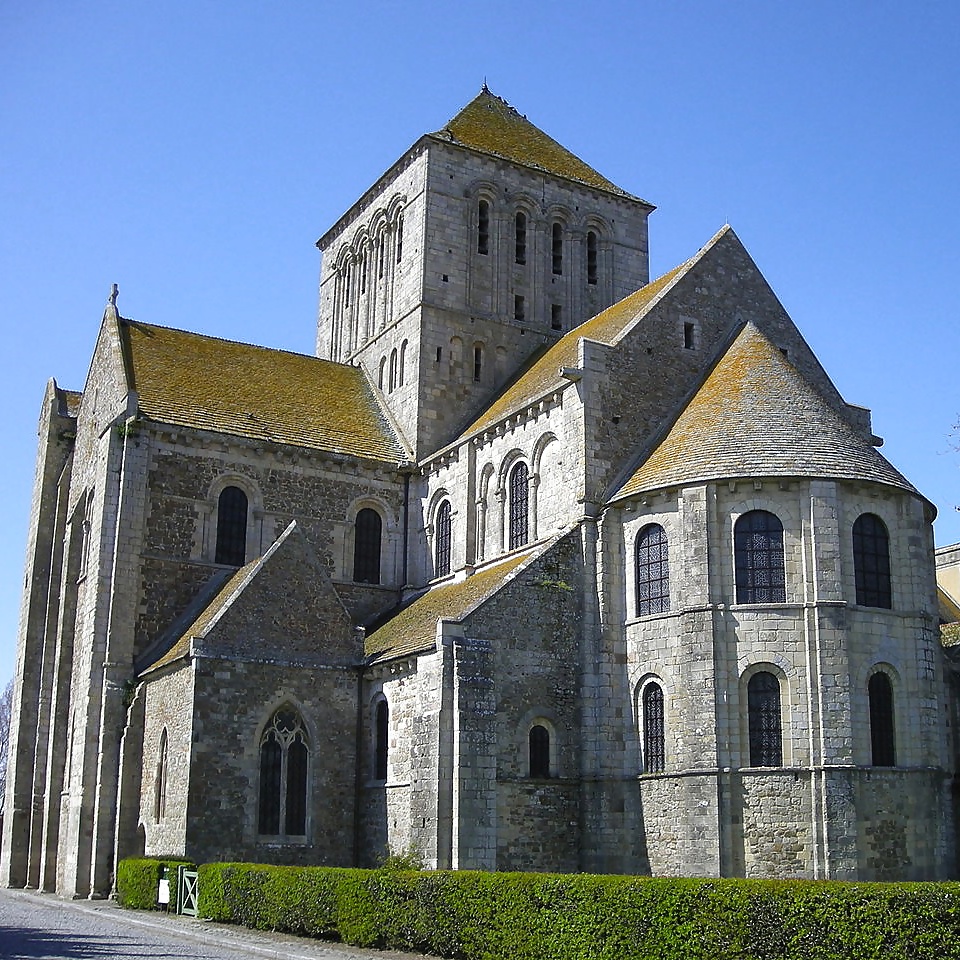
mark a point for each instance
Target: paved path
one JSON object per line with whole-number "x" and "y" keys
{"x": 37, "y": 926}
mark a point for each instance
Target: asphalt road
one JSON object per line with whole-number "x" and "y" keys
{"x": 42, "y": 927}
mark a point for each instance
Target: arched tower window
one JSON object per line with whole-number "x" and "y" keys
{"x": 284, "y": 755}
{"x": 231, "y": 527}
{"x": 366, "y": 547}
{"x": 400, "y": 238}
{"x": 653, "y": 571}
{"x": 519, "y": 505}
{"x": 763, "y": 709}
{"x": 520, "y": 245}
{"x": 882, "y": 741}
{"x": 383, "y": 369}
{"x": 556, "y": 249}
{"x": 443, "y": 539}
{"x": 871, "y": 561}
{"x": 382, "y": 740}
{"x": 758, "y": 546}
{"x": 654, "y": 744}
{"x": 160, "y": 785}
{"x": 393, "y": 370}
{"x": 539, "y": 751}
{"x": 591, "y": 256}
{"x": 483, "y": 227}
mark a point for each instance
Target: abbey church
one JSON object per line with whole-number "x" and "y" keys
{"x": 538, "y": 564}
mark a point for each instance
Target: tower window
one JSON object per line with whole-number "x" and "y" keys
{"x": 393, "y": 370}
{"x": 557, "y": 249}
{"x": 763, "y": 708}
{"x": 382, "y": 743}
{"x": 539, "y": 752}
{"x": 363, "y": 272}
{"x": 882, "y": 741}
{"x": 653, "y": 571}
{"x": 483, "y": 227}
{"x": 688, "y": 336}
{"x": 519, "y": 308}
{"x": 284, "y": 755}
{"x": 758, "y": 548}
{"x": 591, "y": 257}
{"x": 477, "y": 362}
{"x": 366, "y": 548}
{"x": 519, "y": 478}
{"x": 231, "y": 527}
{"x": 443, "y": 539}
{"x": 400, "y": 238}
{"x": 871, "y": 561}
{"x": 520, "y": 248}
{"x": 380, "y": 256}
{"x": 556, "y": 316}
{"x": 653, "y": 733}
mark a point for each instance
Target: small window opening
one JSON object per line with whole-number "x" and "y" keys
{"x": 521, "y": 239}
{"x": 483, "y": 227}
{"x": 439, "y": 353}
{"x": 557, "y": 249}
{"x": 556, "y": 316}
{"x": 519, "y": 309}
{"x": 539, "y": 752}
{"x": 688, "y": 336}
{"x": 477, "y": 362}
{"x": 591, "y": 257}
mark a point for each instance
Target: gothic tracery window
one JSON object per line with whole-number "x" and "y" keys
{"x": 763, "y": 710}
{"x": 653, "y": 571}
{"x": 519, "y": 505}
{"x": 231, "y": 527}
{"x": 442, "y": 550}
{"x": 871, "y": 561}
{"x": 758, "y": 548}
{"x": 284, "y": 758}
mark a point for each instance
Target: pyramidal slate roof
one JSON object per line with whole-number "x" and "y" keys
{"x": 203, "y": 382}
{"x": 489, "y": 124}
{"x": 756, "y": 416}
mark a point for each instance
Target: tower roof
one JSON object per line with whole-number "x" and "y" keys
{"x": 489, "y": 124}
{"x": 754, "y": 416}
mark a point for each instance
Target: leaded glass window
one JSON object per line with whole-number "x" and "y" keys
{"x": 882, "y": 741}
{"x": 653, "y": 571}
{"x": 871, "y": 561}
{"x": 654, "y": 745}
{"x": 284, "y": 761}
{"x": 443, "y": 539}
{"x": 763, "y": 707}
{"x": 231, "y": 527}
{"x": 366, "y": 549}
{"x": 539, "y": 751}
{"x": 519, "y": 506}
{"x": 758, "y": 546}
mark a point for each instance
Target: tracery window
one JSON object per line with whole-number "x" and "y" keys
{"x": 758, "y": 547}
{"x": 284, "y": 758}
{"x": 882, "y": 740}
{"x": 483, "y": 227}
{"x": 653, "y": 571}
{"x": 231, "y": 527}
{"x": 539, "y": 751}
{"x": 443, "y": 539}
{"x": 591, "y": 256}
{"x": 654, "y": 744}
{"x": 556, "y": 249}
{"x": 366, "y": 548}
{"x": 519, "y": 505}
{"x": 520, "y": 245}
{"x": 871, "y": 561}
{"x": 763, "y": 709}
{"x": 382, "y": 742}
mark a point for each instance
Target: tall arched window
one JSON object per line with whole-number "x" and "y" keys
{"x": 231, "y": 527}
{"x": 366, "y": 546}
{"x": 400, "y": 238}
{"x": 758, "y": 546}
{"x": 519, "y": 509}
{"x": 382, "y": 741}
{"x": 401, "y": 363}
{"x": 393, "y": 370}
{"x": 160, "y": 785}
{"x": 383, "y": 369}
{"x": 653, "y": 571}
{"x": 284, "y": 755}
{"x": 556, "y": 249}
{"x": 483, "y": 227}
{"x": 443, "y": 539}
{"x": 763, "y": 708}
{"x": 539, "y": 751}
{"x": 882, "y": 740}
{"x": 654, "y": 744}
{"x": 871, "y": 561}
{"x": 520, "y": 246}
{"x": 591, "y": 256}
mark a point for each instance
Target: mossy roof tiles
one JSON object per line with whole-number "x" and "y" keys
{"x": 414, "y": 627}
{"x": 489, "y": 124}
{"x": 754, "y": 416}
{"x": 210, "y": 384}
{"x": 543, "y": 373}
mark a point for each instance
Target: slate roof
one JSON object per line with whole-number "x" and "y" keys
{"x": 542, "y": 375}
{"x": 210, "y": 384}
{"x": 756, "y": 416}
{"x": 489, "y": 124}
{"x": 414, "y": 627}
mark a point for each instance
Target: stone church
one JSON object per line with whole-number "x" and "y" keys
{"x": 538, "y": 564}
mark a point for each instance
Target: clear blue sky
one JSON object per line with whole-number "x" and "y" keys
{"x": 192, "y": 152}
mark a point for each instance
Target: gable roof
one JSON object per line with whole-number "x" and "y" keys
{"x": 489, "y": 124}
{"x": 413, "y": 628}
{"x": 755, "y": 415}
{"x": 211, "y": 384}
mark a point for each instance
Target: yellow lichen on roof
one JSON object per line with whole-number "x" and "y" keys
{"x": 754, "y": 416}
{"x": 488, "y": 123}
{"x": 414, "y": 627}
{"x": 210, "y": 384}
{"x": 543, "y": 374}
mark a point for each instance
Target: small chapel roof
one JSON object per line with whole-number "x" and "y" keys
{"x": 207, "y": 383}
{"x": 489, "y": 124}
{"x": 414, "y": 627}
{"x": 755, "y": 415}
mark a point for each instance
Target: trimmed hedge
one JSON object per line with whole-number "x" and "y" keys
{"x": 139, "y": 879}
{"x": 522, "y": 916}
